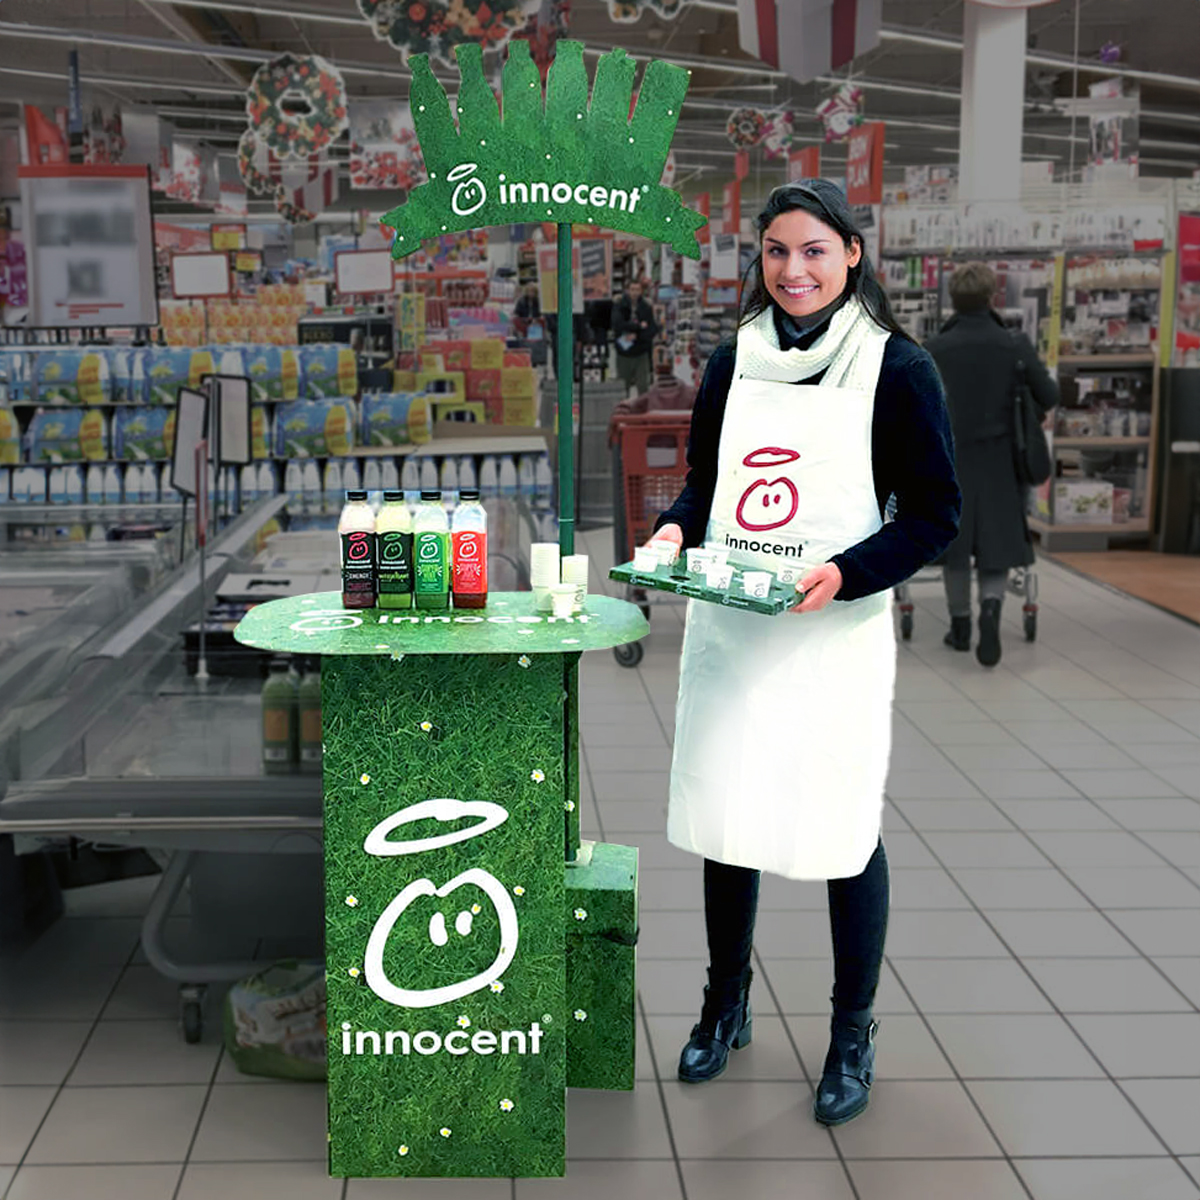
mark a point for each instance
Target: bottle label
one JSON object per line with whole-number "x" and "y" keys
{"x": 358, "y": 563}
{"x": 395, "y": 562}
{"x": 276, "y": 726}
{"x": 310, "y": 754}
{"x": 429, "y": 560}
{"x": 470, "y": 562}
{"x": 310, "y": 727}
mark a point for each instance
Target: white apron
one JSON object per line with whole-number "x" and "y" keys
{"x": 783, "y": 724}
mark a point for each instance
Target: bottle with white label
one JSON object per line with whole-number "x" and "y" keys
{"x": 112, "y": 484}
{"x": 448, "y": 480}
{"x": 466, "y": 474}
{"x": 410, "y": 481}
{"x": 431, "y": 552}
{"x": 58, "y": 485}
{"x": 372, "y": 482}
{"x": 249, "y": 484}
{"x": 351, "y": 479}
{"x": 468, "y": 537}
{"x": 543, "y": 482}
{"x": 5, "y": 484}
{"x": 312, "y": 487}
{"x": 526, "y": 476}
{"x": 268, "y": 479}
{"x": 489, "y": 476}
{"x": 508, "y": 477}
{"x": 95, "y": 484}
{"x": 74, "y": 484}
{"x": 356, "y": 529}
{"x": 394, "y": 545}
{"x": 293, "y": 484}
{"x": 389, "y": 476}
{"x": 429, "y": 475}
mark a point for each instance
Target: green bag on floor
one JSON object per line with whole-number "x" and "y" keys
{"x": 275, "y": 1022}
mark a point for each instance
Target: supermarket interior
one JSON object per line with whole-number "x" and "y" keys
{"x": 329, "y": 489}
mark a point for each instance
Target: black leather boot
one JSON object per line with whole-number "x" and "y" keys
{"x": 724, "y": 1024}
{"x": 959, "y": 636}
{"x": 988, "y": 650}
{"x": 845, "y": 1087}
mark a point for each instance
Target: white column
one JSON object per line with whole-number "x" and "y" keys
{"x": 993, "y": 94}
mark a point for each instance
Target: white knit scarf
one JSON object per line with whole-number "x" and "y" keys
{"x": 850, "y": 351}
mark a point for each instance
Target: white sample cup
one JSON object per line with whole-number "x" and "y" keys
{"x": 756, "y": 584}
{"x": 790, "y": 575}
{"x": 698, "y": 561}
{"x": 543, "y": 597}
{"x": 575, "y": 571}
{"x": 717, "y": 552}
{"x": 645, "y": 559}
{"x": 544, "y": 564}
{"x": 718, "y": 576}
{"x": 667, "y": 552}
{"x": 562, "y": 599}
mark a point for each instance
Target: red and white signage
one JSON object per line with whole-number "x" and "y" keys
{"x": 864, "y": 166}
{"x": 807, "y": 38}
{"x": 804, "y": 164}
{"x": 731, "y": 207}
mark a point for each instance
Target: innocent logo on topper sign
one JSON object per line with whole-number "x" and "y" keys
{"x": 768, "y": 503}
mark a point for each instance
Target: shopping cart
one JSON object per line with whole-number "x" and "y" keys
{"x": 649, "y": 467}
{"x": 1022, "y": 581}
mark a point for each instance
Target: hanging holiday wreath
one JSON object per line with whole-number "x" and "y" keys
{"x": 252, "y": 166}
{"x": 745, "y": 127}
{"x": 435, "y": 27}
{"x": 777, "y": 134}
{"x": 627, "y": 11}
{"x": 297, "y": 105}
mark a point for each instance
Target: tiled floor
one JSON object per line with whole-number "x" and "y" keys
{"x": 1040, "y": 1003}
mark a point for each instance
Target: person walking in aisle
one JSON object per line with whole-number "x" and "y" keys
{"x": 802, "y": 430}
{"x": 978, "y": 360}
{"x": 635, "y": 329}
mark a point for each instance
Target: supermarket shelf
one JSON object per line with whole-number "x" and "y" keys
{"x": 1111, "y": 529}
{"x": 1099, "y": 443}
{"x": 1108, "y": 360}
{"x": 16, "y": 513}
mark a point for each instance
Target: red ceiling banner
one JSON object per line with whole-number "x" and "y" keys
{"x": 864, "y": 167}
{"x": 731, "y": 206}
{"x": 804, "y": 164}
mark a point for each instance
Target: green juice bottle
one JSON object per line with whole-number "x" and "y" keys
{"x": 279, "y": 719}
{"x": 394, "y": 541}
{"x": 309, "y": 723}
{"x": 431, "y": 553}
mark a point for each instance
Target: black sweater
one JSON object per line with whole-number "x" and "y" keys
{"x": 912, "y": 455}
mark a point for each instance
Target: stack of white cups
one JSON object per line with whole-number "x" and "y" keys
{"x": 575, "y": 570}
{"x": 544, "y": 573}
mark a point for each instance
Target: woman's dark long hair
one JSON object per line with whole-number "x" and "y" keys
{"x": 826, "y": 202}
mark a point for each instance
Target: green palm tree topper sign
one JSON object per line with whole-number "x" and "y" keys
{"x": 562, "y": 161}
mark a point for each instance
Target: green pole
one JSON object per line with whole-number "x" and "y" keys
{"x": 566, "y": 396}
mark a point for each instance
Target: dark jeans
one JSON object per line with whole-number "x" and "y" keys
{"x": 858, "y": 915}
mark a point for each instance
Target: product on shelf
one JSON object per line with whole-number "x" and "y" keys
{"x": 10, "y": 437}
{"x": 431, "y": 552}
{"x": 394, "y": 547}
{"x": 67, "y": 435}
{"x": 143, "y": 432}
{"x": 274, "y": 372}
{"x": 468, "y": 532}
{"x": 356, "y": 529}
{"x": 329, "y": 370}
{"x": 308, "y": 700}
{"x": 314, "y": 427}
{"x": 395, "y": 419}
{"x": 72, "y": 376}
{"x": 168, "y": 368}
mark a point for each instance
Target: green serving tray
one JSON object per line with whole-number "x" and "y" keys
{"x": 678, "y": 579}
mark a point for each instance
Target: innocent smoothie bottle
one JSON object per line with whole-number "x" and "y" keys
{"x": 431, "y": 552}
{"x": 468, "y": 536}
{"x": 394, "y": 541}
{"x": 278, "y": 719}
{"x": 357, "y": 530}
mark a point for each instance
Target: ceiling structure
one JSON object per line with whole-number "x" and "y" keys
{"x": 191, "y": 59}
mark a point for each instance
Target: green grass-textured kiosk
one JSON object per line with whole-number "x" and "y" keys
{"x": 480, "y": 958}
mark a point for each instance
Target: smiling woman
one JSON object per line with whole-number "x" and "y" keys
{"x": 804, "y": 427}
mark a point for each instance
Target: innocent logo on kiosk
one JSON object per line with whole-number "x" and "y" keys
{"x": 768, "y": 503}
{"x": 470, "y": 195}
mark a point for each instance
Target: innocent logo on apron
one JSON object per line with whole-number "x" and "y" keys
{"x": 768, "y": 503}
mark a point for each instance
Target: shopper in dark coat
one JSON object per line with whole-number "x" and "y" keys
{"x": 634, "y": 328}
{"x": 978, "y": 360}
